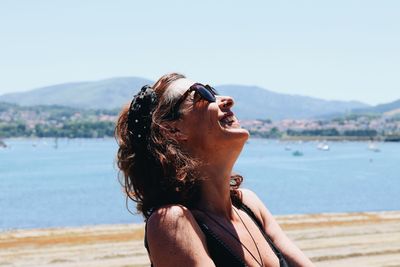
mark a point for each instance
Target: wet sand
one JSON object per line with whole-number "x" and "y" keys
{"x": 343, "y": 239}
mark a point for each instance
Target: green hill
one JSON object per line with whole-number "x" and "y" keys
{"x": 252, "y": 102}
{"x": 103, "y": 94}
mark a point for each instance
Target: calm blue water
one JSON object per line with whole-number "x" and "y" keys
{"x": 76, "y": 184}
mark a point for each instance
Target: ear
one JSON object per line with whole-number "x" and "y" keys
{"x": 175, "y": 128}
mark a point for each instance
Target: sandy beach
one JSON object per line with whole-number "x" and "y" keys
{"x": 341, "y": 239}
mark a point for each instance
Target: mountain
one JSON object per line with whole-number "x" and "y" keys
{"x": 103, "y": 94}
{"x": 391, "y": 108}
{"x": 252, "y": 102}
{"x": 256, "y": 102}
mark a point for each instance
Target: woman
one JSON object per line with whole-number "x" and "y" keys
{"x": 178, "y": 142}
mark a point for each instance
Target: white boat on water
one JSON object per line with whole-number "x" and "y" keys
{"x": 373, "y": 147}
{"x": 323, "y": 146}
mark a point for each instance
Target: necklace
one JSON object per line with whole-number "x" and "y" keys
{"x": 236, "y": 238}
{"x": 252, "y": 238}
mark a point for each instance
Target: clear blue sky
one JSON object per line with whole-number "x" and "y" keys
{"x": 341, "y": 49}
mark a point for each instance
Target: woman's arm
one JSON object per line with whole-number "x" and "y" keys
{"x": 292, "y": 253}
{"x": 175, "y": 239}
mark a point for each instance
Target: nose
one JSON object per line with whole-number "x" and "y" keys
{"x": 225, "y": 102}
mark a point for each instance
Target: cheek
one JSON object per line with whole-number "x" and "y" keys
{"x": 203, "y": 125}
{"x": 202, "y": 129}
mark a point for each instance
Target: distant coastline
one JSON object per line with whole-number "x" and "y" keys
{"x": 316, "y": 138}
{"x": 321, "y": 138}
{"x": 67, "y": 122}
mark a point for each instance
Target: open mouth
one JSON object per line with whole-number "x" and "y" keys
{"x": 228, "y": 120}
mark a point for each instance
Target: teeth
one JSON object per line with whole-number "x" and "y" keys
{"x": 228, "y": 119}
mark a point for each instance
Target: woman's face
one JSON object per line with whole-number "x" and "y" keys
{"x": 208, "y": 127}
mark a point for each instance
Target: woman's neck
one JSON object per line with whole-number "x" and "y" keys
{"x": 215, "y": 191}
{"x": 217, "y": 168}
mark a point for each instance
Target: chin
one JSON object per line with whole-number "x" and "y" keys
{"x": 235, "y": 131}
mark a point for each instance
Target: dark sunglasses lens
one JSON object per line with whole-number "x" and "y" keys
{"x": 212, "y": 90}
{"x": 206, "y": 94}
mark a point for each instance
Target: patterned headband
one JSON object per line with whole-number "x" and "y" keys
{"x": 140, "y": 115}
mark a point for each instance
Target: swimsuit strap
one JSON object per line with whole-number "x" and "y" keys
{"x": 220, "y": 253}
{"x": 274, "y": 248}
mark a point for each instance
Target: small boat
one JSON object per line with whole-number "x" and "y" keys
{"x": 297, "y": 153}
{"x": 323, "y": 147}
{"x": 55, "y": 143}
{"x": 373, "y": 147}
{"x": 2, "y": 144}
{"x": 288, "y": 148}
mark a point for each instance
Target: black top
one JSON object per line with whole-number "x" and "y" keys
{"x": 220, "y": 253}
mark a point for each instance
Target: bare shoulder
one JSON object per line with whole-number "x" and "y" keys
{"x": 249, "y": 196}
{"x": 253, "y": 201}
{"x": 169, "y": 217}
{"x": 171, "y": 220}
{"x": 175, "y": 239}
{"x": 288, "y": 248}
{"x": 259, "y": 208}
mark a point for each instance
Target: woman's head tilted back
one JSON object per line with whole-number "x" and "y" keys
{"x": 163, "y": 142}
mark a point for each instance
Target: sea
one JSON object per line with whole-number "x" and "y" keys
{"x": 74, "y": 182}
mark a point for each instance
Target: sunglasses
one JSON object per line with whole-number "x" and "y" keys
{"x": 204, "y": 92}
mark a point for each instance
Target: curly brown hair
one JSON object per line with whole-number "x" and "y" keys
{"x": 162, "y": 173}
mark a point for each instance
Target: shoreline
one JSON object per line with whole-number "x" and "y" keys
{"x": 278, "y": 217}
{"x": 304, "y": 138}
{"x": 329, "y": 239}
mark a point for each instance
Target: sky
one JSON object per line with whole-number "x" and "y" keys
{"x": 336, "y": 50}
